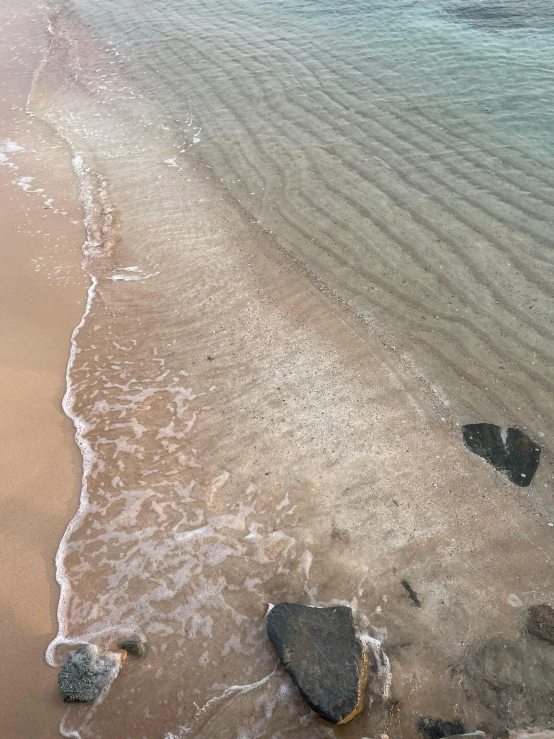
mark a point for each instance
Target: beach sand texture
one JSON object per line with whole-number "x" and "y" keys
{"x": 42, "y": 296}
{"x": 251, "y": 429}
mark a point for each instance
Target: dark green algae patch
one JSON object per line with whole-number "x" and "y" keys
{"x": 517, "y": 458}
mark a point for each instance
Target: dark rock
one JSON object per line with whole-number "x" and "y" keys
{"x": 411, "y": 592}
{"x": 507, "y": 682}
{"x": 323, "y": 655}
{"x": 518, "y": 458}
{"x": 436, "y": 728}
{"x": 86, "y": 672}
{"x": 485, "y": 440}
{"x": 540, "y": 622}
{"x": 523, "y": 457}
{"x": 135, "y": 647}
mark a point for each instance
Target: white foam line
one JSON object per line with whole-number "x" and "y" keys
{"x": 87, "y": 455}
{"x": 87, "y": 198}
{"x": 8, "y": 146}
{"x": 231, "y": 690}
{"x": 132, "y": 278}
{"x": 382, "y": 664}
{"x": 80, "y": 429}
{"x": 235, "y": 689}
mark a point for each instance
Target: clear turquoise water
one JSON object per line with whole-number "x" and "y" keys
{"x": 401, "y": 150}
{"x": 489, "y": 61}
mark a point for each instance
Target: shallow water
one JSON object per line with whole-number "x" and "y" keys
{"x": 402, "y": 151}
{"x": 246, "y": 438}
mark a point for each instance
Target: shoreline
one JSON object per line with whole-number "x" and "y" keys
{"x": 43, "y": 292}
{"x": 318, "y": 410}
{"x": 217, "y": 383}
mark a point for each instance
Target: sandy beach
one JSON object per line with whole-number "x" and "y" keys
{"x": 245, "y": 438}
{"x": 42, "y": 293}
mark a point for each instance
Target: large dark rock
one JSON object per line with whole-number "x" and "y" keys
{"x": 324, "y": 656}
{"x": 518, "y": 458}
{"x": 437, "y": 728}
{"x": 86, "y": 672}
{"x": 540, "y": 622}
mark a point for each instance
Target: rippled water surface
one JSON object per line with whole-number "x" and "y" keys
{"x": 241, "y": 446}
{"x": 402, "y": 150}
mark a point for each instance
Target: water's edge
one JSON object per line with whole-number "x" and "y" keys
{"x": 239, "y": 436}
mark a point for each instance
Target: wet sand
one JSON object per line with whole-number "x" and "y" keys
{"x": 42, "y": 293}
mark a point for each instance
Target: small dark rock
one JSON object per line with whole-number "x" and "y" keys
{"x": 485, "y": 440}
{"x": 323, "y": 655}
{"x": 436, "y": 728}
{"x": 411, "y": 592}
{"x": 523, "y": 457}
{"x": 135, "y": 647}
{"x": 85, "y": 673}
{"x": 518, "y": 459}
{"x": 540, "y": 622}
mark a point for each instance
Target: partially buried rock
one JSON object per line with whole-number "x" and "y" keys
{"x": 323, "y": 655}
{"x": 86, "y": 673}
{"x": 437, "y": 728}
{"x": 540, "y": 622}
{"x": 518, "y": 458}
{"x": 135, "y": 647}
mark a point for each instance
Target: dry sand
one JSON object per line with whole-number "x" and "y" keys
{"x": 42, "y": 293}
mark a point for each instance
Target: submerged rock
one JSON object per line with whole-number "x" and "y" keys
{"x": 540, "y": 622}
{"x": 411, "y": 592}
{"x": 86, "y": 672}
{"x": 509, "y": 682}
{"x": 323, "y": 655}
{"x": 518, "y": 458}
{"x": 135, "y": 647}
{"x": 437, "y": 728}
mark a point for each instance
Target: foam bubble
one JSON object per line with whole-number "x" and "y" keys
{"x": 10, "y": 147}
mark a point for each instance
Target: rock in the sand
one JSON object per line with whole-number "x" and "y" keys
{"x": 485, "y": 440}
{"x": 540, "y": 622}
{"x": 135, "y": 647}
{"x": 518, "y": 458}
{"x": 523, "y": 457}
{"x": 437, "y": 728}
{"x": 323, "y": 655}
{"x": 86, "y": 672}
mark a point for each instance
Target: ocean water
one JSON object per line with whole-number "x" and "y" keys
{"x": 402, "y": 151}
{"x": 319, "y": 238}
